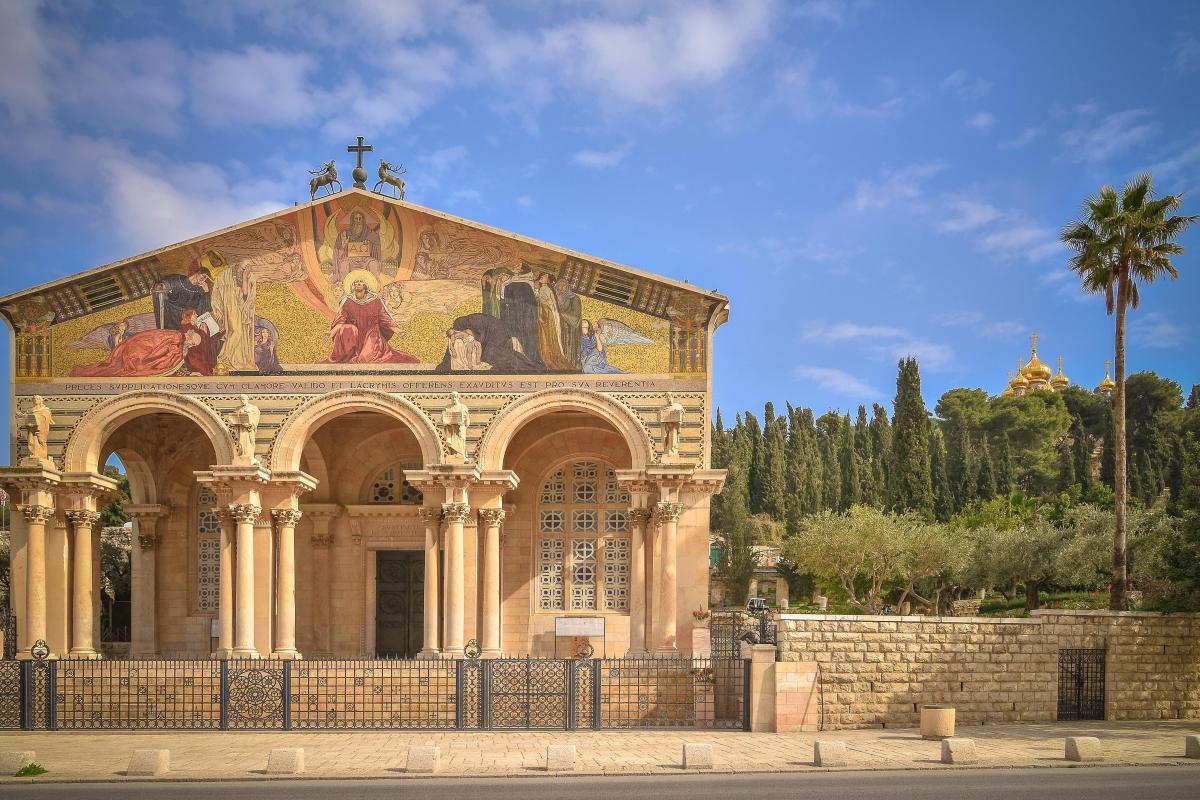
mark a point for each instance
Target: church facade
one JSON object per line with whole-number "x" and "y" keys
{"x": 360, "y": 428}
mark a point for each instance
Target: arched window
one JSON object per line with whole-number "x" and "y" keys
{"x": 208, "y": 552}
{"x": 391, "y": 488}
{"x": 583, "y": 540}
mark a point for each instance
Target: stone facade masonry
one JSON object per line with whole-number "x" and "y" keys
{"x": 874, "y": 671}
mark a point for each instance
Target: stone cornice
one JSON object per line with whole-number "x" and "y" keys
{"x": 320, "y": 510}
{"x": 367, "y": 511}
{"x": 138, "y": 511}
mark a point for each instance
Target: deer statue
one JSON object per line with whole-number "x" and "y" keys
{"x": 325, "y": 176}
{"x": 390, "y": 176}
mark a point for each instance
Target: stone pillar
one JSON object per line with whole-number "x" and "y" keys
{"x": 225, "y": 586}
{"x": 143, "y": 633}
{"x": 321, "y": 576}
{"x": 83, "y": 610}
{"x": 753, "y": 587}
{"x": 433, "y": 526}
{"x": 490, "y": 520}
{"x": 781, "y": 593}
{"x": 667, "y": 518}
{"x": 286, "y": 520}
{"x": 455, "y": 515}
{"x": 264, "y": 585}
{"x": 18, "y": 585}
{"x": 58, "y": 583}
{"x": 245, "y": 515}
{"x": 36, "y": 517}
{"x": 638, "y": 519}
{"x": 762, "y": 688}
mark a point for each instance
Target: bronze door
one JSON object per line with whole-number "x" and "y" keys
{"x": 399, "y": 602}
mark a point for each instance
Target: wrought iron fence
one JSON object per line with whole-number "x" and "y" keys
{"x": 728, "y": 629}
{"x": 359, "y": 694}
{"x": 1081, "y": 684}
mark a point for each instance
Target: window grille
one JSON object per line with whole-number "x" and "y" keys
{"x": 391, "y": 488}
{"x": 208, "y": 552}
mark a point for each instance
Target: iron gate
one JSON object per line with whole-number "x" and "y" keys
{"x": 1080, "y": 684}
{"x": 527, "y": 693}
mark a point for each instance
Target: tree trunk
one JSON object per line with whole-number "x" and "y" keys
{"x": 1117, "y": 601}
{"x": 1032, "y": 598}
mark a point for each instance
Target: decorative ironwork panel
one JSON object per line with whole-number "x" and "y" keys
{"x": 255, "y": 695}
{"x": 671, "y": 693}
{"x": 726, "y": 629}
{"x": 527, "y": 693}
{"x": 10, "y": 634}
{"x": 616, "y": 574}
{"x": 1081, "y": 684}
{"x": 348, "y": 694}
{"x": 583, "y": 692}
{"x": 471, "y": 695}
{"x": 40, "y": 691}
{"x": 208, "y": 573}
{"x": 147, "y": 695}
{"x": 550, "y": 573}
{"x": 10, "y": 694}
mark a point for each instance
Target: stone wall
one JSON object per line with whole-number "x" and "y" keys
{"x": 878, "y": 671}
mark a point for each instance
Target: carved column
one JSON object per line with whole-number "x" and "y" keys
{"x": 433, "y": 525}
{"x": 638, "y": 518}
{"x": 286, "y": 520}
{"x": 225, "y": 586}
{"x": 490, "y": 520}
{"x": 83, "y": 611}
{"x": 666, "y": 517}
{"x": 143, "y": 567}
{"x": 36, "y": 517}
{"x": 322, "y": 574}
{"x": 245, "y": 515}
{"x": 455, "y": 515}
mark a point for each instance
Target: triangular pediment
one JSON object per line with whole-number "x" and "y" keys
{"x": 291, "y": 275}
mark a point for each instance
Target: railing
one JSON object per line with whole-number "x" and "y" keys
{"x": 367, "y": 694}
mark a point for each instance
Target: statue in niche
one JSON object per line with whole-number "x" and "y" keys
{"x": 670, "y": 417}
{"x": 37, "y": 432}
{"x": 455, "y": 419}
{"x": 244, "y": 422}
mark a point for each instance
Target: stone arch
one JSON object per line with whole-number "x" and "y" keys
{"x": 508, "y": 422}
{"x": 300, "y": 424}
{"x": 82, "y": 453}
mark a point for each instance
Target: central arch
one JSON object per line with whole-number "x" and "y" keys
{"x": 300, "y": 424}
{"x": 509, "y": 421}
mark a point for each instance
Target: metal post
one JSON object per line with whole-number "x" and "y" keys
{"x": 287, "y": 694}
{"x": 572, "y": 691}
{"x": 460, "y": 693}
{"x": 596, "y": 669}
{"x": 27, "y": 693}
{"x": 224, "y": 695}
{"x": 51, "y": 695}
{"x": 746, "y": 695}
{"x": 485, "y": 694}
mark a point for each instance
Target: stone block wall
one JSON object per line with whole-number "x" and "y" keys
{"x": 878, "y": 671}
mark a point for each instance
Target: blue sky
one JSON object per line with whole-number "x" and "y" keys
{"x": 865, "y": 180}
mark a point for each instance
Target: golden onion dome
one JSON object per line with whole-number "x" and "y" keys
{"x": 1107, "y": 384}
{"x": 1019, "y": 381}
{"x": 1036, "y": 370}
{"x": 1060, "y": 381}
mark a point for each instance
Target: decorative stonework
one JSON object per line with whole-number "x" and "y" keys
{"x": 148, "y": 541}
{"x": 322, "y": 540}
{"x": 245, "y": 512}
{"x": 491, "y": 516}
{"x": 83, "y": 518}
{"x": 37, "y": 515}
{"x": 286, "y": 517}
{"x": 667, "y": 512}
{"x": 455, "y": 512}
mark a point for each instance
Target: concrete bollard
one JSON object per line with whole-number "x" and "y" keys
{"x": 697, "y": 756}
{"x": 423, "y": 758}
{"x": 13, "y": 761}
{"x": 958, "y": 751}
{"x": 1191, "y": 746}
{"x": 1083, "y": 749}
{"x": 937, "y": 722}
{"x": 830, "y": 753}
{"x": 286, "y": 761}
{"x": 148, "y": 763}
{"x": 560, "y": 757}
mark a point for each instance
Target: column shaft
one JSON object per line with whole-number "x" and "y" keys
{"x": 35, "y": 571}
{"x": 83, "y": 611}
{"x": 490, "y": 520}
{"x": 668, "y": 600}
{"x": 143, "y": 564}
{"x": 225, "y": 588}
{"x": 637, "y": 582}
{"x": 433, "y": 524}
{"x": 245, "y": 516}
{"x": 285, "y": 584}
{"x": 455, "y": 515}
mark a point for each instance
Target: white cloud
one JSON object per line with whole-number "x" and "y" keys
{"x": 832, "y": 12}
{"x": 895, "y": 185}
{"x": 465, "y": 195}
{"x": 602, "y": 159}
{"x": 846, "y": 331}
{"x": 254, "y": 86}
{"x": 525, "y": 201}
{"x": 960, "y": 82}
{"x": 998, "y": 329}
{"x": 959, "y": 318}
{"x": 1186, "y": 54}
{"x": 931, "y": 355}
{"x": 25, "y": 90}
{"x": 964, "y": 214}
{"x": 981, "y": 120}
{"x": 129, "y": 85}
{"x": 1020, "y": 239}
{"x": 1156, "y": 329}
{"x": 1022, "y": 139}
{"x": 837, "y": 381}
{"x": 444, "y": 158}
{"x": 11, "y": 199}
{"x": 1186, "y": 159}
{"x": 1095, "y": 141}
{"x": 1004, "y": 329}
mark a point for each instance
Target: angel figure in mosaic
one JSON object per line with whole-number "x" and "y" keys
{"x": 594, "y": 341}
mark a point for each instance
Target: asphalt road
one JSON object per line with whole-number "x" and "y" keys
{"x": 1084, "y": 783}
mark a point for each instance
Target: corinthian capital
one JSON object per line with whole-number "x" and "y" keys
{"x": 639, "y": 516}
{"x": 431, "y": 514}
{"x": 245, "y": 512}
{"x": 491, "y": 516}
{"x": 667, "y": 512}
{"x": 83, "y": 517}
{"x": 286, "y": 517}
{"x": 148, "y": 541}
{"x": 38, "y": 515}
{"x": 455, "y": 512}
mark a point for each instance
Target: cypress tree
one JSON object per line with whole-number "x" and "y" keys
{"x": 962, "y": 472}
{"x": 943, "y": 498}
{"x": 909, "y": 482}
{"x": 862, "y": 444}
{"x": 1193, "y": 400}
{"x": 987, "y": 474}
{"x": 849, "y": 458}
{"x": 1005, "y": 478}
{"x": 774, "y": 486}
{"x": 1066, "y": 468}
{"x": 1108, "y": 455}
{"x": 1081, "y": 451}
{"x": 757, "y": 464}
{"x": 831, "y": 487}
{"x": 814, "y": 483}
{"x": 881, "y": 452}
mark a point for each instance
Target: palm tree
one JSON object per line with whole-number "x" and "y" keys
{"x": 1121, "y": 241}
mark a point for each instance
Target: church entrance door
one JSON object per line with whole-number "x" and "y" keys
{"x": 399, "y": 603}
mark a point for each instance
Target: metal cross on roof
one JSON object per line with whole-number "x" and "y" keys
{"x": 360, "y": 174}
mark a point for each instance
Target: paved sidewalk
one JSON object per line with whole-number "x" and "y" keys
{"x": 71, "y": 756}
